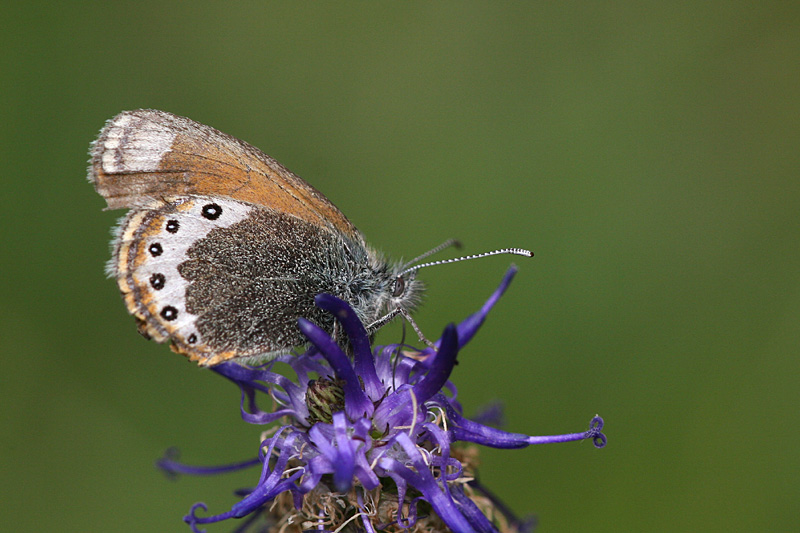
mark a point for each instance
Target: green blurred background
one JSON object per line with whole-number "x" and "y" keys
{"x": 647, "y": 152}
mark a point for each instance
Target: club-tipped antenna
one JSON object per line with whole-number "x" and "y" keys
{"x": 513, "y": 251}
{"x": 446, "y": 244}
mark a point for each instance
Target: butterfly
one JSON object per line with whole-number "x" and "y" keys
{"x": 223, "y": 248}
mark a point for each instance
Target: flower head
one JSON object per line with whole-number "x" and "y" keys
{"x": 371, "y": 441}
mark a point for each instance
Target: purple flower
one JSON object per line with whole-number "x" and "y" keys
{"x": 369, "y": 441}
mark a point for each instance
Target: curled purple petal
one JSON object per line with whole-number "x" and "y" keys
{"x": 359, "y": 340}
{"x": 470, "y": 431}
{"x": 192, "y": 519}
{"x": 356, "y": 402}
{"x": 594, "y": 433}
{"x": 272, "y": 481}
{"x": 345, "y": 465}
{"x": 441, "y": 367}
{"x": 423, "y": 480}
{"x": 172, "y": 467}
{"x": 250, "y": 380}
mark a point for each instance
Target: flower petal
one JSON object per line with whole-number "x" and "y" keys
{"x": 356, "y": 402}
{"x": 359, "y": 340}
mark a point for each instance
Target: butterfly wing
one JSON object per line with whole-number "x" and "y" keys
{"x": 223, "y": 279}
{"x": 147, "y": 155}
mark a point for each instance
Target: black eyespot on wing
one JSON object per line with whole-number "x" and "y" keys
{"x": 173, "y": 226}
{"x": 155, "y": 249}
{"x": 212, "y": 211}
{"x": 192, "y": 339}
{"x": 157, "y": 281}
{"x": 169, "y": 313}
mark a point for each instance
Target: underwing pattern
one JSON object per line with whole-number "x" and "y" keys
{"x": 223, "y": 248}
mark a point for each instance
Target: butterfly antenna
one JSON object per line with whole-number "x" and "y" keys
{"x": 512, "y": 251}
{"x": 446, "y": 244}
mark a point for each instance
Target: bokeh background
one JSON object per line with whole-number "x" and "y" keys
{"x": 647, "y": 152}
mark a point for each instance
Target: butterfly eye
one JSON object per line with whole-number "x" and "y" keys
{"x": 399, "y": 287}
